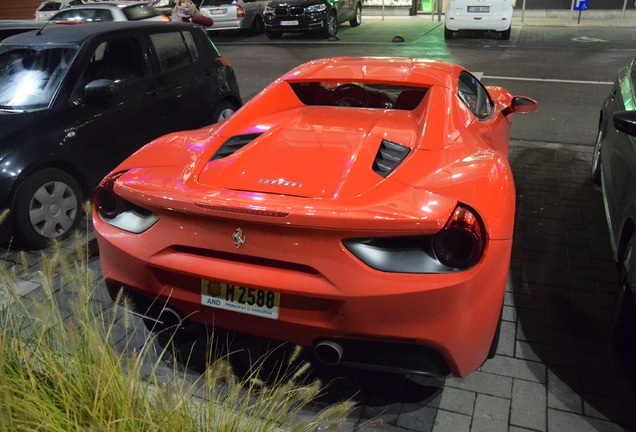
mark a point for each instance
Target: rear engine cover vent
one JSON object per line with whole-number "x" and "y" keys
{"x": 234, "y": 144}
{"x": 389, "y": 156}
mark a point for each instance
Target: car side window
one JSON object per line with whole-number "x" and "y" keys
{"x": 88, "y": 15}
{"x": 119, "y": 60}
{"x": 174, "y": 49}
{"x": 475, "y": 96}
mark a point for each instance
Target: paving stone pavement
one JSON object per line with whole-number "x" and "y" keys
{"x": 555, "y": 368}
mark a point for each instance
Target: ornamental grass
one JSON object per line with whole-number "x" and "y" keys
{"x": 65, "y": 366}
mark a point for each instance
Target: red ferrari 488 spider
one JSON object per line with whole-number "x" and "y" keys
{"x": 360, "y": 206}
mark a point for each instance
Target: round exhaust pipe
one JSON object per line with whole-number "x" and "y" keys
{"x": 328, "y": 352}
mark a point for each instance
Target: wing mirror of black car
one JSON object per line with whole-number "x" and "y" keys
{"x": 625, "y": 121}
{"x": 100, "y": 90}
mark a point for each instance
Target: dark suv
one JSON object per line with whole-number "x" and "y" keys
{"x": 321, "y": 16}
{"x": 76, "y": 100}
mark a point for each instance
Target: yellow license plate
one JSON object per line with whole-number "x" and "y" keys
{"x": 240, "y": 299}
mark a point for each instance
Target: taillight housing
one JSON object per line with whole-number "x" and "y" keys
{"x": 107, "y": 204}
{"x": 240, "y": 11}
{"x": 119, "y": 212}
{"x": 461, "y": 243}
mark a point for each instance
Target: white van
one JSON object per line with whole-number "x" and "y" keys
{"x": 495, "y": 15}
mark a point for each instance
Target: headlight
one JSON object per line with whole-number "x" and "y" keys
{"x": 316, "y": 8}
{"x": 118, "y": 212}
{"x": 268, "y": 10}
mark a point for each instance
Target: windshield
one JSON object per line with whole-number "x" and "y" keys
{"x": 30, "y": 76}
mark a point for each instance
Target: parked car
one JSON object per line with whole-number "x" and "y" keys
{"x": 235, "y": 14}
{"x": 359, "y": 206}
{"x": 113, "y": 11}
{"x": 614, "y": 168}
{"x": 322, "y": 16}
{"x": 492, "y": 15}
{"x": 11, "y": 27}
{"x": 77, "y": 100}
{"x": 49, "y": 8}
{"x": 165, "y": 6}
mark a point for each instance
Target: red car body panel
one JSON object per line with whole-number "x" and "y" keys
{"x": 304, "y": 186}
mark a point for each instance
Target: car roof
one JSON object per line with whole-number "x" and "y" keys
{"x": 53, "y": 33}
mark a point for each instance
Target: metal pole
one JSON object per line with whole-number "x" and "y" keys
{"x": 624, "y": 10}
{"x": 439, "y": 10}
{"x": 571, "y": 10}
{"x": 523, "y": 10}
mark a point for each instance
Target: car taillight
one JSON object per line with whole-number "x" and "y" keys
{"x": 460, "y": 244}
{"x": 105, "y": 201}
{"x": 240, "y": 12}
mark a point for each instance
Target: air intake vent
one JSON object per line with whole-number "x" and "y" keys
{"x": 234, "y": 144}
{"x": 389, "y": 156}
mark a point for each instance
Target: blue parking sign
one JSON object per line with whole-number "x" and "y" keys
{"x": 581, "y": 5}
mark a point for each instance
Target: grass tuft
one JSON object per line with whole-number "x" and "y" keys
{"x": 65, "y": 367}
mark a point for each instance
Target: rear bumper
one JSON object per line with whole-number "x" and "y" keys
{"x": 447, "y": 320}
{"x": 494, "y": 23}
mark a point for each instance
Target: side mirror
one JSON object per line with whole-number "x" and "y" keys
{"x": 625, "y": 121}
{"x": 521, "y": 104}
{"x": 100, "y": 90}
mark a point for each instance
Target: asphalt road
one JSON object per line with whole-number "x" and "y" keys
{"x": 568, "y": 69}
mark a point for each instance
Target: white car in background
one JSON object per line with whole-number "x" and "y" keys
{"x": 235, "y": 14}
{"x": 488, "y": 15}
{"x": 49, "y": 8}
{"x": 109, "y": 11}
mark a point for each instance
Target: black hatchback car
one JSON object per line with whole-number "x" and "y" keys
{"x": 320, "y": 16}
{"x": 76, "y": 100}
{"x": 614, "y": 168}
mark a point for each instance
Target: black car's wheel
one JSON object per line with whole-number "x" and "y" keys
{"x": 448, "y": 34}
{"x": 47, "y": 206}
{"x": 505, "y": 35}
{"x": 331, "y": 25}
{"x": 624, "y": 327}
{"x": 357, "y": 17}
{"x": 273, "y": 34}
{"x": 257, "y": 26}
{"x": 224, "y": 110}
{"x": 596, "y": 158}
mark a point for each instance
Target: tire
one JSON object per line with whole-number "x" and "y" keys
{"x": 505, "y": 35}
{"x": 596, "y": 157}
{"x": 273, "y": 34}
{"x": 224, "y": 110}
{"x": 448, "y": 34}
{"x": 357, "y": 17}
{"x": 624, "y": 325}
{"x": 47, "y": 205}
{"x": 495, "y": 340}
{"x": 257, "y": 26}
{"x": 331, "y": 25}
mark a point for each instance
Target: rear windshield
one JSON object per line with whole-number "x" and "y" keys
{"x": 363, "y": 95}
{"x": 50, "y": 6}
{"x": 140, "y": 11}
